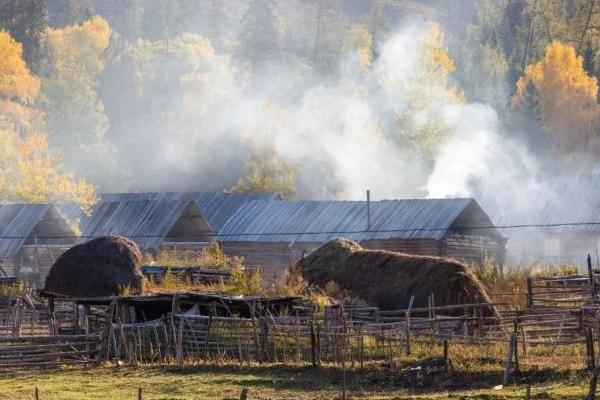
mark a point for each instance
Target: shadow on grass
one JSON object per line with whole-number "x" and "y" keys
{"x": 427, "y": 376}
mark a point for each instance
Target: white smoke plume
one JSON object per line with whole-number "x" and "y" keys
{"x": 339, "y": 134}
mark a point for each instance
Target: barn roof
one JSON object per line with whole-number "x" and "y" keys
{"x": 319, "y": 221}
{"x": 146, "y": 222}
{"x": 18, "y": 222}
{"x": 566, "y": 204}
{"x": 216, "y": 207}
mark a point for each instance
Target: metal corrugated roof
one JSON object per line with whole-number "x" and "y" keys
{"x": 319, "y": 221}
{"x": 215, "y": 207}
{"x": 146, "y": 222}
{"x": 573, "y": 203}
{"x": 17, "y": 222}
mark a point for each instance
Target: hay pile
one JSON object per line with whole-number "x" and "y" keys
{"x": 388, "y": 279}
{"x": 100, "y": 267}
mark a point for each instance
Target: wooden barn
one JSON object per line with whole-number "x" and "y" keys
{"x": 152, "y": 224}
{"x": 147, "y": 214}
{"x": 276, "y": 234}
{"x": 32, "y": 236}
{"x": 561, "y": 226}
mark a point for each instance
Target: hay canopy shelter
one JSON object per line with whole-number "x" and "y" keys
{"x": 149, "y": 223}
{"x": 560, "y": 225}
{"x": 31, "y": 237}
{"x": 276, "y": 234}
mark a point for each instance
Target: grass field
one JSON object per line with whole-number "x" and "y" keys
{"x": 289, "y": 382}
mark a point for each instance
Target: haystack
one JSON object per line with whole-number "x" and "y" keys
{"x": 100, "y": 267}
{"x": 388, "y": 280}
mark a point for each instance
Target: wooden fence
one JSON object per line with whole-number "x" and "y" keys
{"x": 47, "y": 351}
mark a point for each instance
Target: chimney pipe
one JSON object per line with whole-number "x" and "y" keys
{"x": 368, "y": 210}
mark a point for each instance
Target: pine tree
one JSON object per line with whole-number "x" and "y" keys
{"x": 26, "y": 21}
{"x": 68, "y": 12}
{"x": 259, "y": 41}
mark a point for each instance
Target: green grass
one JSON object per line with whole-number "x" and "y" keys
{"x": 289, "y": 382}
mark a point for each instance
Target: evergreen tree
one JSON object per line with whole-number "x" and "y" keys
{"x": 26, "y": 21}
{"x": 259, "y": 41}
{"x": 68, "y": 12}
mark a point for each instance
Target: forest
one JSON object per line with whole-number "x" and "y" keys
{"x": 308, "y": 98}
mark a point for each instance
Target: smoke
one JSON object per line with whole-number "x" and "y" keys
{"x": 196, "y": 126}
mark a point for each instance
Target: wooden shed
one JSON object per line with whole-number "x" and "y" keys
{"x": 274, "y": 235}
{"x": 124, "y": 213}
{"x": 32, "y": 236}
{"x": 151, "y": 224}
{"x": 561, "y": 226}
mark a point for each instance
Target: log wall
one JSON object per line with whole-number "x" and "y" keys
{"x": 33, "y": 262}
{"x": 473, "y": 249}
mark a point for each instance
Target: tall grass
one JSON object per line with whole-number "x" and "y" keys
{"x": 509, "y": 284}
{"x": 210, "y": 257}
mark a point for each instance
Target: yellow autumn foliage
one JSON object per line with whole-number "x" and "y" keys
{"x": 79, "y": 46}
{"x": 563, "y": 96}
{"x": 30, "y": 172}
{"x": 18, "y": 87}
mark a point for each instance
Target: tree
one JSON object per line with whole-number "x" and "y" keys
{"x": 259, "y": 40}
{"x": 75, "y": 116}
{"x": 18, "y": 87}
{"x": 563, "y": 98}
{"x": 68, "y": 12}
{"x": 29, "y": 171}
{"x": 267, "y": 172}
{"x": 26, "y": 21}
{"x": 176, "y": 98}
{"x": 425, "y": 90}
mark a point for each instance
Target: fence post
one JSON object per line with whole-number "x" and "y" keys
{"x": 593, "y": 383}
{"x": 37, "y": 393}
{"x": 313, "y": 344}
{"x": 589, "y": 345}
{"x": 509, "y": 358}
{"x": 407, "y": 324}
{"x": 179, "y": 344}
{"x": 140, "y": 393}
{"x": 445, "y": 355}
{"x": 529, "y": 293}
{"x": 591, "y": 276}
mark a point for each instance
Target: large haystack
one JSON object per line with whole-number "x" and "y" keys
{"x": 100, "y": 267}
{"x": 388, "y": 279}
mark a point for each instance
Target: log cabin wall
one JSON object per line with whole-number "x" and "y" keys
{"x": 473, "y": 249}
{"x": 33, "y": 262}
{"x": 183, "y": 250}
{"x": 271, "y": 258}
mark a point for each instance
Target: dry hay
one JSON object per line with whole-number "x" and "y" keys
{"x": 101, "y": 267}
{"x": 388, "y": 280}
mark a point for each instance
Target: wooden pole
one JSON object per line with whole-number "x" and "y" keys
{"x": 313, "y": 344}
{"x": 244, "y": 394}
{"x": 509, "y": 359}
{"x": 407, "y": 324}
{"x": 140, "y": 393}
{"x": 589, "y": 344}
{"x": 445, "y": 355}
{"x": 37, "y": 393}
{"x": 593, "y": 383}
{"x": 591, "y": 276}
{"x": 529, "y": 293}
{"x": 179, "y": 345}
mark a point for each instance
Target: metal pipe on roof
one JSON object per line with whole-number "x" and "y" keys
{"x": 368, "y": 210}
